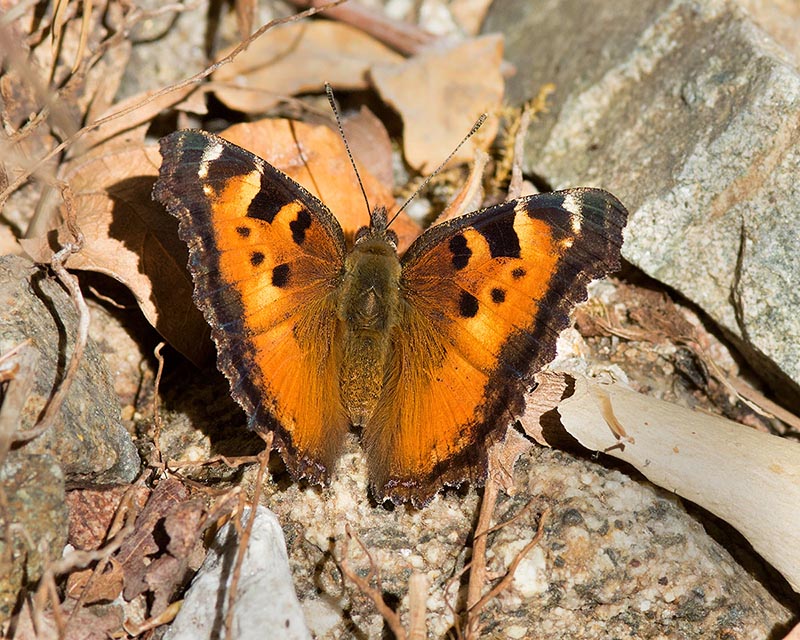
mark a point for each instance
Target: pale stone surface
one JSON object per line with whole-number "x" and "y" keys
{"x": 266, "y": 606}
{"x": 689, "y": 113}
{"x": 618, "y": 558}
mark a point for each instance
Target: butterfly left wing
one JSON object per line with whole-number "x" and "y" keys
{"x": 266, "y": 257}
{"x": 485, "y": 297}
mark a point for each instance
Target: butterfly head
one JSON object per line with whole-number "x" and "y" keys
{"x": 377, "y": 229}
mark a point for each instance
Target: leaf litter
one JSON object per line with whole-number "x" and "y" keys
{"x": 62, "y": 124}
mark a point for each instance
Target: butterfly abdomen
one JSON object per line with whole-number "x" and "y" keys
{"x": 368, "y": 310}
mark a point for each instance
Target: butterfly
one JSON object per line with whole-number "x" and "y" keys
{"x": 428, "y": 354}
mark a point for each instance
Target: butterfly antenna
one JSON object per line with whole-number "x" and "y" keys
{"x": 329, "y": 92}
{"x": 425, "y": 182}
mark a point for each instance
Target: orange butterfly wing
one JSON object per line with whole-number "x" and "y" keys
{"x": 267, "y": 259}
{"x": 485, "y": 298}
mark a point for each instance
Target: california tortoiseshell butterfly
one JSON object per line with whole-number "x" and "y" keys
{"x": 429, "y": 353}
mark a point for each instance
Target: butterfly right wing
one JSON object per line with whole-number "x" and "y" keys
{"x": 267, "y": 259}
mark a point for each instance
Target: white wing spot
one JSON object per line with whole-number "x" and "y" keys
{"x": 573, "y": 206}
{"x": 211, "y": 153}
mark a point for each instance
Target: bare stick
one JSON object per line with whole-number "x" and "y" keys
{"x": 509, "y": 575}
{"x": 403, "y": 37}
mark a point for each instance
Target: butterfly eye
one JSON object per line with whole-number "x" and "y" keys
{"x": 391, "y": 238}
{"x": 362, "y": 233}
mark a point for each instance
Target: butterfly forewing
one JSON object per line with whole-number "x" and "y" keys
{"x": 267, "y": 259}
{"x": 486, "y": 296}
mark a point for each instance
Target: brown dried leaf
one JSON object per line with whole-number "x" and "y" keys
{"x": 440, "y": 93}
{"x": 133, "y": 240}
{"x": 541, "y": 402}
{"x": 87, "y": 623}
{"x": 134, "y": 552}
{"x": 168, "y": 571}
{"x": 504, "y": 455}
{"x": 129, "y": 129}
{"x": 104, "y": 587}
{"x": 470, "y": 195}
{"x": 370, "y": 143}
{"x": 315, "y": 157}
{"x": 470, "y": 14}
{"x": 296, "y": 58}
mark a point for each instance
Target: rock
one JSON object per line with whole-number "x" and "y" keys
{"x": 689, "y": 113}
{"x": 619, "y": 558}
{"x": 87, "y": 438}
{"x": 266, "y": 606}
{"x": 33, "y": 486}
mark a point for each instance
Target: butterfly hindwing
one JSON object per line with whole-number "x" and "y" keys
{"x": 485, "y": 297}
{"x": 267, "y": 260}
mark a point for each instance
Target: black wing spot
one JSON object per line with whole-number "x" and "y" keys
{"x": 264, "y": 207}
{"x": 256, "y": 258}
{"x": 280, "y": 275}
{"x": 467, "y": 305}
{"x": 518, "y": 273}
{"x": 271, "y": 198}
{"x": 244, "y": 232}
{"x": 498, "y": 295}
{"x": 501, "y": 237}
{"x": 461, "y": 252}
{"x": 299, "y": 226}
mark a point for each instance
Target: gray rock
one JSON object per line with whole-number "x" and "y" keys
{"x": 35, "y": 516}
{"x": 619, "y": 558}
{"x": 266, "y": 606}
{"x": 689, "y": 113}
{"x": 87, "y": 438}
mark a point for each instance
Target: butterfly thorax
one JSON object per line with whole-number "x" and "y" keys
{"x": 368, "y": 309}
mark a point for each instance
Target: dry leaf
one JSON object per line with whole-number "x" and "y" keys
{"x": 104, "y": 587}
{"x": 135, "y": 553}
{"x": 132, "y": 239}
{"x": 748, "y": 478}
{"x": 503, "y": 456}
{"x": 296, "y": 58}
{"x": 470, "y": 195}
{"x": 440, "y": 94}
{"x": 470, "y": 14}
{"x": 87, "y": 623}
{"x": 551, "y": 387}
{"x": 370, "y": 143}
{"x": 315, "y": 157}
{"x": 129, "y": 129}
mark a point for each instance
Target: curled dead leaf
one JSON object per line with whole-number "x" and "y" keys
{"x": 132, "y": 239}
{"x": 296, "y": 58}
{"x": 440, "y": 93}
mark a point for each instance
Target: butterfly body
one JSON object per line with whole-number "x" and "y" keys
{"x": 430, "y": 353}
{"x": 368, "y": 314}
